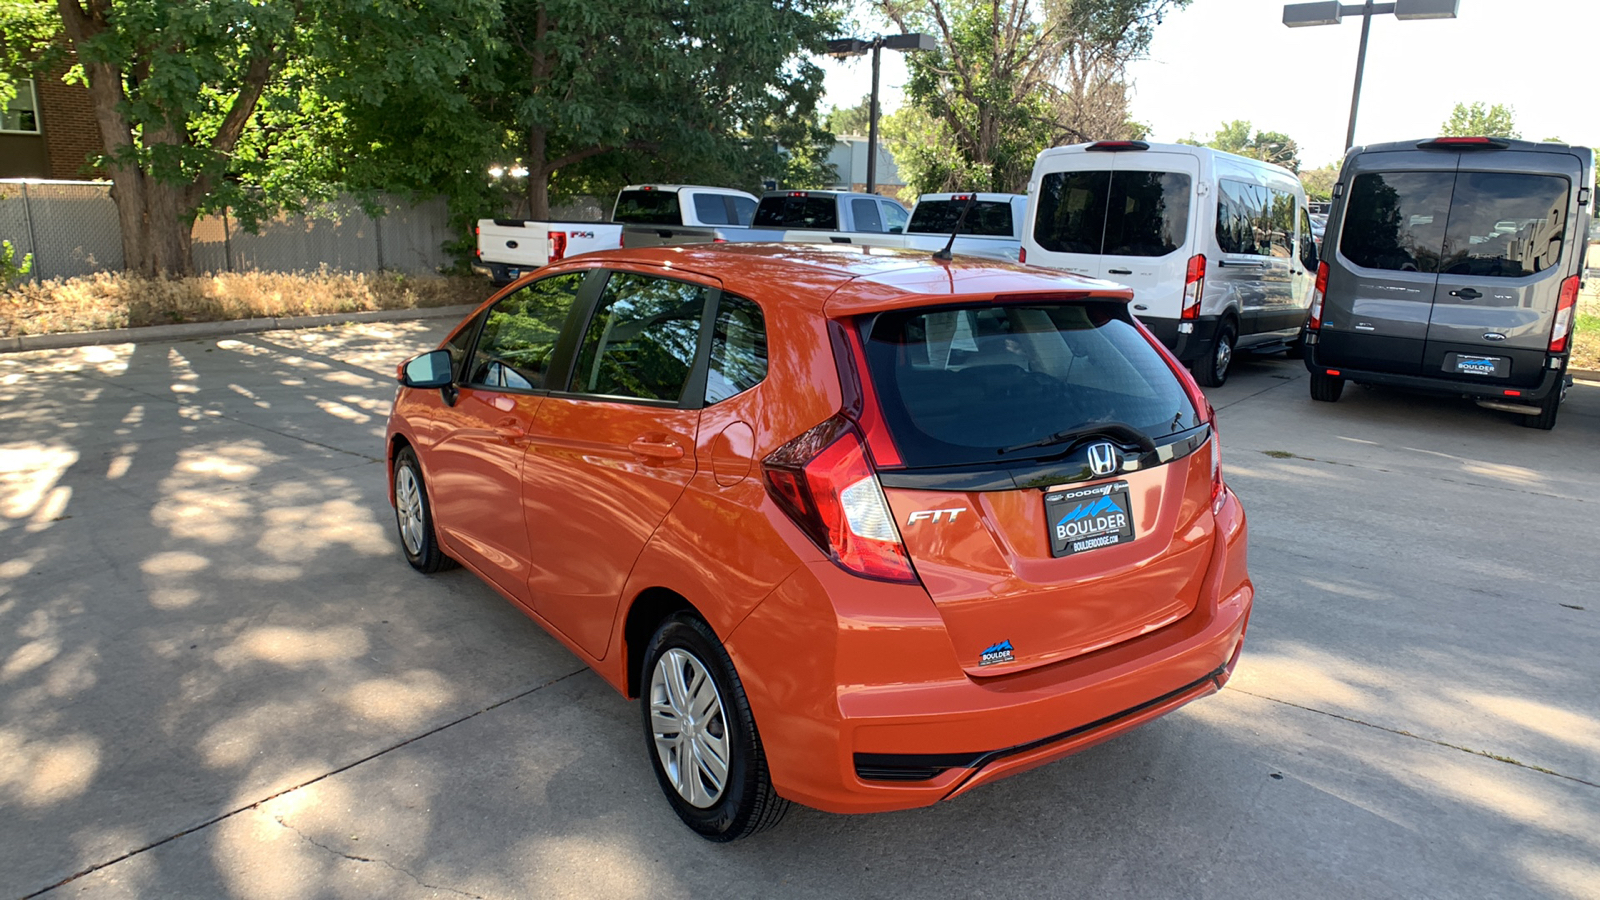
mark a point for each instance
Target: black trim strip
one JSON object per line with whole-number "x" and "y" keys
{"x": 926, "y": 766}
{"x": 1025, "y": 473}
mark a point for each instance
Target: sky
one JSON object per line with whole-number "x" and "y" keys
{"x": 1221, "y": 60}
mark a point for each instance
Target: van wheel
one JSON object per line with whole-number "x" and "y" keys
{"x": 1297, "y": 347}
{"x": 1545, "y": 418}
{"x": 1211, "y": 370}
{"x": 701, "y": 735}
{"x": 1326, "y": 387}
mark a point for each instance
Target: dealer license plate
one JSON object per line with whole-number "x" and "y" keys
{"x": 1088, "y": 518}
{"x": 1493, "y": 366}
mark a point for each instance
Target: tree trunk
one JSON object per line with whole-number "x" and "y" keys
{"x": 538, "y": 175}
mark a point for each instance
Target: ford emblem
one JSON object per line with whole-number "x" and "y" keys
{"x": 1494, "y": 336}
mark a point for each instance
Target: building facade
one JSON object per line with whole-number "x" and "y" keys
{"x": 49, "y": 131}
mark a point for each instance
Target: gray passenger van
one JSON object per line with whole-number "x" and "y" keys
{"x": 1453, "y": 265}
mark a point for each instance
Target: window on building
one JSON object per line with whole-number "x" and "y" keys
{"x": 22, "y": 113}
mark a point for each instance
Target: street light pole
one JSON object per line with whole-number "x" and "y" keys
{"x": 845, "y": 47}
{"x": 1332, "y": 12}
{"x": 872, "y": 121}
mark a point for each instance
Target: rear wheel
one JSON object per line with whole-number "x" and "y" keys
{"x": 1212, "y": 370}
{"x": 701, "y": 736}
{"x": 414, "y": 516}
{"x": 1545, "y": 418}
{"x": 1326, "y": 387}
{"x": 1297, "y": 347}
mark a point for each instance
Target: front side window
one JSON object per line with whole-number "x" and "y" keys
{"x": 744, "y": 209}
{"x": 738, "y": 349}
{"x": 22, "y": 113}
{"x": 1308, "y": 242}
{"x": 642, "y": 341}
{"x": 1396, "y": 220}
{"x": 520, "y": 333}
{"x": 1505, "y": 225}
{"x": 956, "y": 385}
{"x": 865, "y": 212}
{"x": 895, "y": 216}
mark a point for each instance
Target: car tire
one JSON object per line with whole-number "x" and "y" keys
{"x": 413, "y": 515}
{"x": 698, "y": 729}
{"x": 1545, "y": 418}
{"x": 1326, "y": 387}
{"x": 1211, "y": 370}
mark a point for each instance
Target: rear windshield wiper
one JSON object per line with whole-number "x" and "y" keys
{"x": 1075, "y": 436}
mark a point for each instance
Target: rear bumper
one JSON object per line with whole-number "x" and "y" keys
{"x": 500, "y": 274}
{"x": 1548, "y": 382}
{"x": 868, "y": 710}
{"x": 1187, "y": 346}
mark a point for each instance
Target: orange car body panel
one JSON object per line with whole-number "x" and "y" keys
{"x": 835, "y": 665}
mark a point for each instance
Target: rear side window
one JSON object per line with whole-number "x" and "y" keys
{"x": 988, "y": 217}
{"x": 797, "y": 212}
{"x": 1505, "y": 225}
{"x": 956, "y": 385}
{"x": 642, "y": 340}
{"x": 865, "y": 213}
{"x": 711, "y": 209}
{"x": 738, "y": 349}
{"x": 1395, "y": 220}
{"x": 520, "y": 333}
{"x": 648, "y": 208}
{"x": 1113, "y": 213}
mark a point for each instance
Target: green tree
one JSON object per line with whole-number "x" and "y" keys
{"x": 10, "y": 269}
{"x": 1479, "y": 120}
{"x": 1319, "y": 182}
{"x": 198, "y": 104}
{"x": 1010, "y": 78}
{"x": 851, "y": 119}
{"x": 1269, "y": 146}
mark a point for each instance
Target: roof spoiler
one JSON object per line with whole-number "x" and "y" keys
{"x": 1114, "y": 146}
{"x": 1464, "y": 143}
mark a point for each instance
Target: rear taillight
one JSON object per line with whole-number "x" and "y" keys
{"x": 1318, "y": 292}
{"x": 621, "y": 240}
{"x": 558, "y": 245}
{"x": 1194, "y": 286}
{"x": 1216, "y": 467}
{"x": 1022, "y": 255}
{"x": 1561, "y": 331}
{"x": 824, "y": 481}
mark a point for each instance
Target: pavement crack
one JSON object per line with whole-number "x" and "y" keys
{"x": 370, "y": 859}
{"x": 302, "y": 785}
{"x": 1510, "y": 761}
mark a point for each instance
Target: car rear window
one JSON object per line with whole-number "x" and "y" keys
{"x": 648, "y": 208}
{"x": 957, "y": 384}
{"x": 1504, "y": 224}
{"x": 797, "y": 212}
{"x": 1113, "y": 213}
{"x": 990, "y": 218}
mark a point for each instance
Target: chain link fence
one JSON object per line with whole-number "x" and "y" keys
{"x": 71, "y": 228}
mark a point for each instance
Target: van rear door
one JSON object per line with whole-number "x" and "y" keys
{"x": 1501, "y": 270}
{"x": 1382, "y": 280}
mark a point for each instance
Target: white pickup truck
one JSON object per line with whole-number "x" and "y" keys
{"x": 992, "y": 228}
{"x": 509, "y": 247}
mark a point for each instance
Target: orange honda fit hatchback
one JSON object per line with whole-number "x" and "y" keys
{"x": 860, "y": 529}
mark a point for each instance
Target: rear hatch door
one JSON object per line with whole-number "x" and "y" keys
{"x": 1035, "y": 546}
{"x": 1511, "y": 215}
{"x": 1381, "y": 284}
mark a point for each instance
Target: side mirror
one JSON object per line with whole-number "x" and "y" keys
{"x": 430, "y": 370}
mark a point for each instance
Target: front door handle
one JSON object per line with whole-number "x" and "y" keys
{"x": 1466, "y": 294}
{"x": 660, "y": 451}
{"x": 510, "y": 431}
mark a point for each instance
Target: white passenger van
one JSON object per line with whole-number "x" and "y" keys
{"x": 1217, "y": 247}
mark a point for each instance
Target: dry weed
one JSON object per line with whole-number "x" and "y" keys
{"x": 119, "y": 300}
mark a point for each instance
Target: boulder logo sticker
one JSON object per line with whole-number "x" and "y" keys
{"x": 996, "y": 653}
{"x": 1088, "y": 518}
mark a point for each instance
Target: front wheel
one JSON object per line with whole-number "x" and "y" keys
{"x": 701, "y": 736}
{"x": 413, "y": 515}
{"x": 1211, "y": 370}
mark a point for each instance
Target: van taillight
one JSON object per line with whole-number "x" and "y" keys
{"x": 825, "y": 483}
{"x": 558, "y": 245}
{"x": 1561, "y": 331}
{"x": 1194, "y": 286}
{"x": 1318, "y": 292}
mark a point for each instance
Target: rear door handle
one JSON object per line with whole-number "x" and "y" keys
{"x": 1466, "y": 294}
{"x": 655, "y": 450}
{"x": 1120, "y": 271}
{"x": 1223, "y": 263}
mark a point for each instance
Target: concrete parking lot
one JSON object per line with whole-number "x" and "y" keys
{"x": 218, "y": 677}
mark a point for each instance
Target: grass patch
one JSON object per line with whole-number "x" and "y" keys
{"x": 1586, "y": 343}
{"x": 108, "y": 300}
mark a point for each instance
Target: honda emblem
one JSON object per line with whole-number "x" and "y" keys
{"x": 1102, "y": 458}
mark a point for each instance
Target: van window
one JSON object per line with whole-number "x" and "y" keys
{"x": 1114, "y": 213}
{"x": 958, "y": 384}
{"x": 1395, "y": 220}
{"x": 1248, "y": 219}
{"x": 1505, "y": 225}
{"x": 988, "y": 217}
{"x": 1282, "y": 219}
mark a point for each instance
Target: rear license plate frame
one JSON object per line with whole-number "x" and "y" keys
{"x": 1478, "y": 366}
{"x": 1080, "y": 519}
